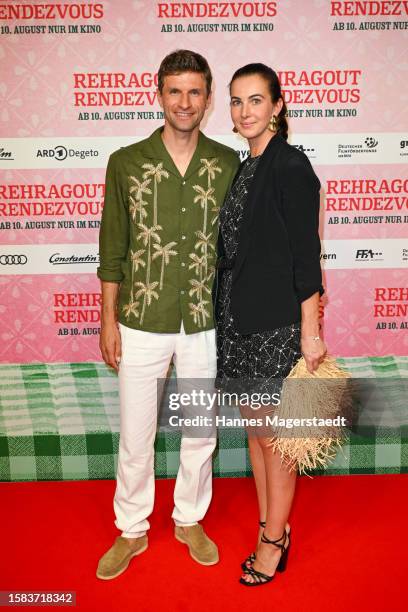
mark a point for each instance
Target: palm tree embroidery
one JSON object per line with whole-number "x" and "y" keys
{"x": 148, "y": 292}
{"x": 204, "y": 242}
{"x": 139, "y": 188}
{"x": 137, "y": 206}
{"x": 204, "y": 197}
{"x": 204, "y": 313}
{"x": 210, "y": 166}
{"x": 135, "y": 258}
{"x": 197, "y": 265}
{"x": 215, "y": 209}
{"x": 195, "y": 311}
{"x": 147, "y": 234}
{"x": 164, "y": 251}
{"x": 211, "y": 271}
{"x": 157, "y": 172}
{"x": 151, "y": 240}
{"x": 198, "y": 287}
{"x": 131, "y": 308}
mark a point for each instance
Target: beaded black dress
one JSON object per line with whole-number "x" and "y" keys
{"x": 268, "y": 355}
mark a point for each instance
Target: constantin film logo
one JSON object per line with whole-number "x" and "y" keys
{"x": 13, "y": 260}
{"x": 60, "y": 153}
{"x": 57, "y": 259}
{"x": 369, "y": 145}
{"x": 368, "y": 255}
{"x": 5, "y": 155}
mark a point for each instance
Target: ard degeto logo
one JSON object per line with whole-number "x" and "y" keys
{"x": 368, "y": 255}
{"x": 371, "y": 142}
{"x": 5, "y": 155}
{"x": 13, "y": 260}
{"x": 60, "y": 153}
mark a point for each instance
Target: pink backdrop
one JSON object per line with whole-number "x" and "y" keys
{"x": 78, "y": 81}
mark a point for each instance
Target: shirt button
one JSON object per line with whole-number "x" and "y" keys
{"x": 183, "y": 209}
{"x": 183, "y": 264}
{"x": 183, "y": 183}
{"x": 183, "y": 237}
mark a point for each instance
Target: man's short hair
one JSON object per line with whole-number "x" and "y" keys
{"x": 183, "y": 60}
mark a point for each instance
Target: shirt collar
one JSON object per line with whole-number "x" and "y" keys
{"x": 155, "y": 149}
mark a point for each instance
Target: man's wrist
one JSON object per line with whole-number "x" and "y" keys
{"x": 109, "y": 318}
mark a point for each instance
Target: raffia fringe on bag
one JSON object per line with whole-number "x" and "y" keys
{"x": 325, "y": 394}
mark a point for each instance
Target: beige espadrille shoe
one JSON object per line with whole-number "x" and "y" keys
{"x": 116, "y": 560}
{"x": 201, "y": 548}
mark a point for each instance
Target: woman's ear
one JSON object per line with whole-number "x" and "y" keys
{"x": 278, "y": 107}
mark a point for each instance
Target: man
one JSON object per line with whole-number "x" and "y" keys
{"x": 157, "y": 252}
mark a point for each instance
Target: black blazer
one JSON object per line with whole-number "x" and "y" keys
{"x": 278, "y": 258}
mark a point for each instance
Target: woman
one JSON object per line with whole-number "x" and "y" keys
{"x": 268, "y": 287}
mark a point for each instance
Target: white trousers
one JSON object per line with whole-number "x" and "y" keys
{"x": 145, "y": 358}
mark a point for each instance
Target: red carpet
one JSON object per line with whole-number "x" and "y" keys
{"x": 349, "y": 547}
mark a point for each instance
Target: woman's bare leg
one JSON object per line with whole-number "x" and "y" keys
{"x": 280, "y": 490}
{"x": 258, "y": 469}
{"x": 259, "y": 472}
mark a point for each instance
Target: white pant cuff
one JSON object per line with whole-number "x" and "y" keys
{"x": 179, "y": 524}
{"x": 135, "y": 534}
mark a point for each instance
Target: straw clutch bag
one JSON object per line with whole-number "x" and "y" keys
{"x": 310, "y": 399}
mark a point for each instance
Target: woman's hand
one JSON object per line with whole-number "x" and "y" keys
{"x": 313, "y": 352}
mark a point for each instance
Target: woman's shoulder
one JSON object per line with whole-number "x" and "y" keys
{"x": 292, "y": 156}
{"x": 280, "y": 154}
{"x": 292, "y": 162}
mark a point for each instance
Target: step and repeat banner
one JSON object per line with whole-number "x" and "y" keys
{"x": 78, "y": 80}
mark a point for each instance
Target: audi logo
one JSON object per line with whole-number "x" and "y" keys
{"x": 13, "y": 260}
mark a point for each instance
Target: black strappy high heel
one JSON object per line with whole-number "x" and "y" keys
{"x": 251, "y": 558}
{"x": 261, "y": 578}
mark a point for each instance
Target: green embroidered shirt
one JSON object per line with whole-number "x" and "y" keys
{"x": 159, "y": 231}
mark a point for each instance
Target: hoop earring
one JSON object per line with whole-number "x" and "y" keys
{"x": 234, "y": 129}
{"x": 273, "y": 124}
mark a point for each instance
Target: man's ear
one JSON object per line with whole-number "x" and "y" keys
{"x": 209, "y": 100}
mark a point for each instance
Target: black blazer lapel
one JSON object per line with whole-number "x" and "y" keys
{"x": 258, "y": 185}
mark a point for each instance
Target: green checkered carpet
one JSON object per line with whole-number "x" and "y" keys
{"x": 61, "y": 422}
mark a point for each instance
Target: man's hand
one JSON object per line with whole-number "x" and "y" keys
{"x": 313, "y": 352}
{"x": 110, "y": 344}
